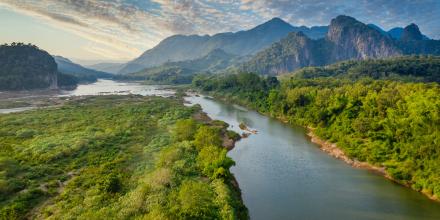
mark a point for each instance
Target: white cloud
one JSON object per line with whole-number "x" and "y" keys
{"x": 128, "y": 27}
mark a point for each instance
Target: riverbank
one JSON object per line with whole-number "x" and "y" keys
{"x": 139, "y": 154}
{"x": 333, "y": 150}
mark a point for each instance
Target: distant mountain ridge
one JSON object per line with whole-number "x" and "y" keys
{"x": 113, "y": 68}
{"x": 83, "y": 74}
{"x": 242, "y": 43}
{"x": 182, "y": 71}
{"x": 347, "y": 39}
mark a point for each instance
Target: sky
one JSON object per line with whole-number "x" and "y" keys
{"x": 91, "y": 31}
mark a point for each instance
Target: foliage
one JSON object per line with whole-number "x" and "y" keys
{"x": 385, "y": 121}
{"x": 67, "y": 81}
{"x": 25, "y": 67}
{"x": 182, "y": 72}
{"x": 406, "y": 68}
{"x": 114, "y": 157}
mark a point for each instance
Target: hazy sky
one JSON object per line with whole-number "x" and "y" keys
{"x": 123, "y": 29}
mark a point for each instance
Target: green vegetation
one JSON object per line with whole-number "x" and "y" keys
{"x": 26, "y": 67}
{"x": 387, "y": 122}
{"x": 183, "y": 72}
{"x": 406, "y": 68}
{"x": 82, "y": 74}
{"x": 116, "y": 157}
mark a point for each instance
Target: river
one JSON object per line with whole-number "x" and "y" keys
{"x": 282, "y": 175}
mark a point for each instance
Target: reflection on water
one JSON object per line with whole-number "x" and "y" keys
{"x": 101, "y": 87}
{"x": 283, "y": 175}
{"x": 110, "y": 87}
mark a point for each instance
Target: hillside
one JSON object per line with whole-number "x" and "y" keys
{"x": 405, "y": 68}
{"x": 26, "y": 67}
{"x": 242, "y": 43}
{"x": 346, "y": 39}
{"x": 113, "y": 68}
{"x": 81, "y": 73}
{"x": 183, "y": 71}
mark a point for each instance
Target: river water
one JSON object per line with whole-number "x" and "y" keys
{"x": 282, "y": 175}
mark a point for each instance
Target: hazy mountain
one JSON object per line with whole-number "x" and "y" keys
{"x": 83, "y": 74}
{"x": 26, "y": 67}
{"x": 107, "y": 67}
{"x": 378, "y": 28}
{"x": 396, "y": 33}
{"x": 183, "y": 71}
{"x": 346, "y": 39}
{"x": 242, "y": 43}
{"x": 412, "y": 41}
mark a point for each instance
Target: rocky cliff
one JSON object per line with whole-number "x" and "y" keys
{"x": 352, "y": 39}
{"x": 346, "y": 39}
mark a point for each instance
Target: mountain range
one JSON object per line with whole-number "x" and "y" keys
{"x": 182, "y": 71}
{"x": 276, "y": 47}
{"x": 113, "y": 68}
{"x": 242, "y": 43}
{"x": 346, "y": 39}
{"x": 83, "y": 74}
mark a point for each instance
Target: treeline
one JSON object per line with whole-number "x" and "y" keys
{"x": 385, "y": 122}
{"x": 116, "y": 157}
{"x": 26, "y": 67}
{"x": 407, "y": 68}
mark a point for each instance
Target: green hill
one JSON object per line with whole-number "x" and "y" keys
{"x": 182, "y": 72}
{"x": 409, "y": 68}
{"x": 26, "y": 67}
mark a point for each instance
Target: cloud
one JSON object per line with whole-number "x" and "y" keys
{"x": 128, "y": 27}
{"x": 385, "y": 13}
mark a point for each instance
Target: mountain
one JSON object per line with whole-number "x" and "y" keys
{"x": 346, "y": 39}
{"x": 396, "y": 33}
{"x": 26, "y": 67}
{"x": 113, "y": 68}
{"x": 292, "y": 52}
{"x": 83, "y": 74}
{"x": 352, "y": 39}
{"x": 411, "y": 33}
{"x": 412, "y": 41}
{"x": 378, "y": 29}
{"x": 183, "y": 71}
{"x": 242, "y": 43}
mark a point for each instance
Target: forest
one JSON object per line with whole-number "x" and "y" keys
{"x": 116, "y": 157}
{"x": 384, "y": 112}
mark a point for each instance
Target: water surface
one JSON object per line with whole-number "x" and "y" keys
{"x": 110, "y": 87}
{"x": 282, "y": 175}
